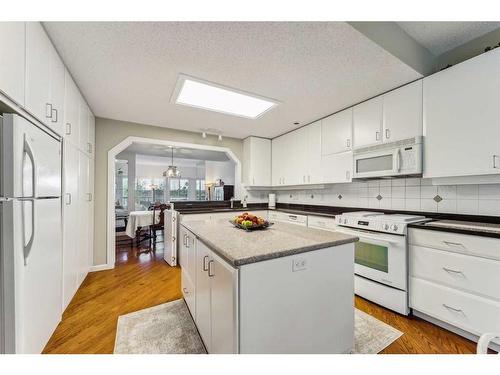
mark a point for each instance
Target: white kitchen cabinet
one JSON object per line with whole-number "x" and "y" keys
{"x": 71, "y": 111}
{"x": 85, "y": 198}
{"x": 461, "y": 122}
{"x": 367, "y": 122}
{"x": 257, "y": 161}
{"x": 314, "y": 141}
{"x": 337, "y": 168}
{"x": 402, "y": 116}
{"x": 13, "y": 60}
{"x": 187, "y": 260}
{"x": 280, "y": 161}
{"x": 38, "y": 56}
{"x": 336, "y": 133}
{"x": 91, "y": 141}
{"x": 56, "y": 95}
{"x": 71, "y": 221}
{"x": 83, "y": 125}
{"x": 203, "y": 294}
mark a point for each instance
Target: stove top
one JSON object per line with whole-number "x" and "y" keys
{"x": 378, "y": 221}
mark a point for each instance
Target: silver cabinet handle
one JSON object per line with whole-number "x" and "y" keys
{"x": 185, "y": 290}
{"x": 495, "y": 157}
{"x": 348, "y": 143}
{"x": 89, "y": 197}
{"x": 184, "y": 240}
{"x": 456, "y": 244}
{"x": 89, "y": 147}
{"x": 387, "y": 133}
{"x": 377, "y": 135}
{"x": 48, "y": 110}
{"x": 68, "y": 200}
{"x": 253, "y": 180}
{"x": 187, "y": 241}
{"x": 205, "y": 265}
{"x": 210, "y": 263}
{"x": 449, "y": 270}
{"x": 292, "y": 217}
{"x": 347, "y": 175}
{"x": 54, "y": 115}
{"x": 68, "y": 128}
{"x": 452, "y": 308}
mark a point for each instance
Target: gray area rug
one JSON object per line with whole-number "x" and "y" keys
{"x": 169, "y": 329}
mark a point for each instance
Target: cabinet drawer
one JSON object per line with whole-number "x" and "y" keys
{"x": 474, "y": 314}
{"x": 469, "y": 273}
{"x": 459, "y": 243}
{"x": 288, "y": 217}
{"x": 188, "y": 292}
{"x": 321, "y": 222}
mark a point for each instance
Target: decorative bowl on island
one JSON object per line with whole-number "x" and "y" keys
{"x": 250, "y": 222}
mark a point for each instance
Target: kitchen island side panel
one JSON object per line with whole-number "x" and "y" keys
{"x": 302, "y": 303}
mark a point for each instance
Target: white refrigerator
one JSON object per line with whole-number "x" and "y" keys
{"x": 30, "y": 235}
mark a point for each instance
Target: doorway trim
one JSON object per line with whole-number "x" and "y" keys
{"x": 110, "y": 200}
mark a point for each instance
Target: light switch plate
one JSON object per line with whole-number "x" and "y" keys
{"x": 299, "y": 264}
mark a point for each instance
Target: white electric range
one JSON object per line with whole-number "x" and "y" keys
{"x": 381, "y": 256}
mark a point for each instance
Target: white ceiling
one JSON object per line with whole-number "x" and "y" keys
{"x": 127, "y": 71}
{"x": 440, "y": 37}
{"x": 179, "y": 153}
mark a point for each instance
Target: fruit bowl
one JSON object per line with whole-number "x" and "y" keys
{"x": 250, "y": 222}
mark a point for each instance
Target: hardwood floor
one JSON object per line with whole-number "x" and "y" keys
{"x": 143, "y": 280}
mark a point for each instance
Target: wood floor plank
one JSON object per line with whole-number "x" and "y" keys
{"x": 143, "y": 280}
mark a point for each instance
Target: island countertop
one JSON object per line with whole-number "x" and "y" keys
{"x": 239, "y": 247}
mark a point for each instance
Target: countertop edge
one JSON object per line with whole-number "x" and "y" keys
{"x": 470, "y": 232}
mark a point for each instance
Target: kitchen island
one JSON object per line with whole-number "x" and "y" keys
{"x": 286, "y": 289}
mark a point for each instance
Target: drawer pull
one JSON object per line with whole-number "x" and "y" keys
{"x": 185, "y": 290}
{"x": 292, "y": 217}
{"x": 449, "y": 270}
{"x": 454, "y": 244}
{"x": 453, "y": 309}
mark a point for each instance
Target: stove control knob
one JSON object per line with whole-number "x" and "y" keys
{"x": 394, "y": 227}
{"x": 386, "y": 226}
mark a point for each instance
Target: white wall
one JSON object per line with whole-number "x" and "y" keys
{"x": 223, "y": 170}
{"x": 410, "y": 194}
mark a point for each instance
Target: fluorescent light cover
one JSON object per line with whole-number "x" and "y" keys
{"x": 213, "y": 97}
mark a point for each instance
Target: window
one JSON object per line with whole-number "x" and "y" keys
{"x": 149, "y": 191}
{"x": 179, "y": 188}
{"x": 200, "y": 190}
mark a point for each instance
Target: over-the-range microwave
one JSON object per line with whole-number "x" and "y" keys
{"x": 395, "y": 159}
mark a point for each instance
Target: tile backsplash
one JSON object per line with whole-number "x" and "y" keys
{"x": 410, "y": 194}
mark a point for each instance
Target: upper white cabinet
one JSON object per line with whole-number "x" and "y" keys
{"x": 314, "y": 141}
{"x": 83, "y": 125}
{"x": 337, "y": 168}
{"x": 461, "y": 121}
{"x": 281, "y": 159}
{"x": 71, "y": 111}
{"x": 38, "y": 55}
{"x": 44, "y": 94}
{"x": 257, "y": 161}
{"x": 91, "y": 146}
{"x": 367, "y": 122}
{"x": 13, "y": 60}
{"x": 336, "y": 133}
{"x": 402, "y": 116}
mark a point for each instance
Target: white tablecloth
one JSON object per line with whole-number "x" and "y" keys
{"x": 138, "y": 219}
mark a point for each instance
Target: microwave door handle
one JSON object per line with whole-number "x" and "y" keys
{"x": 397, "y": 161}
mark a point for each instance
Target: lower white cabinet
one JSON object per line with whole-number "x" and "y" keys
{"x": 78, "y": 218}
{"x": 187, "y": 260}
{"x": 453, "y": 282}
{"x": 216, "y": 301}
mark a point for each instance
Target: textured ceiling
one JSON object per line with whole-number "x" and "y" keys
{"x": 127, "y": 71}
{"x": 440, "y": 37}
{"x": 182, "y": 153}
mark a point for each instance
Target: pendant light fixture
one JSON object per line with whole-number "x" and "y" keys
{"x": 172, "y": 170}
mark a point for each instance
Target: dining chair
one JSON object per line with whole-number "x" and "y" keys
{"x": 154, "y": 227}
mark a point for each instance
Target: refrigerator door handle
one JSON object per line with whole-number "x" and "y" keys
{"x": 27, "y": 247}
{"x": 29, "y": 151}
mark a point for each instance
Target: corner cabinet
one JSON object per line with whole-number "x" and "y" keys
{"x": 461, "y": 122}
{"x": 13, "y": 60}
{"x": 257, "y": 161}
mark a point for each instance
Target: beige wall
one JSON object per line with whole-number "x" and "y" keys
{"x": 110, "y": 133}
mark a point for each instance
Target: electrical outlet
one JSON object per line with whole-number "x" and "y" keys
{"x": 299, "y": 264}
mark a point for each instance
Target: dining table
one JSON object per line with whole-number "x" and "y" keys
{"x": 140, "y": 219}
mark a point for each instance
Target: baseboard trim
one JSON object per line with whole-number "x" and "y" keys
{"x": 101, "y": 267}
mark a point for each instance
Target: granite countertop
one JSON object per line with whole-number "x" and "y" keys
{"x": 239, "y": 247}
{"x": 461, "y": 227}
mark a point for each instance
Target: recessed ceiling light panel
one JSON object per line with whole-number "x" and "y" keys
{"x": 197, "y": 93}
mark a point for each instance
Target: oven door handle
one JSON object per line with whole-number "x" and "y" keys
{"x": 363, "y": 234}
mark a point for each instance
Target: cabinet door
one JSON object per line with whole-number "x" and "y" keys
{"x": 83, "y": 124}
{"x": 202, "y": 318}
{"x": 83, "y": 216}
{"x": 277, "y": 161}
{"x": 183, "y": 258}
{"x": 461, "y": 122}
{"x": 336, "y": 133}
{"x": 367, "y": 122}
{"x": 261, "y": 161}
{"x": 403, "y": 112}
{"x": 13, "y": 60}
{"x": 297, "y": 157}
{"x": 71, "y": 237}
{"x": 337, "y": 168}
{"x": 71, "y": 110}
{"x": 314, "y": 174}
{"x": 38, "y": 72}
{"x": 57, "y": 72}
{"x": 224, "y": 286}
{"x": 191, "y": 255}
{"x": 91, "y": 148}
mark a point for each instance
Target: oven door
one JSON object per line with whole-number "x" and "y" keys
{"x": 382, "y": 163}
{"x": 380, "y": 257}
